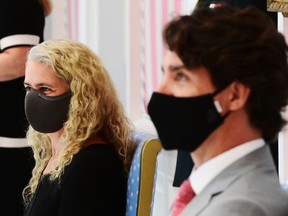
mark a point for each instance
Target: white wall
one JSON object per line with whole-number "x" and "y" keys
{"x": 102, "y": 25}
{"x": 283, "y": 135}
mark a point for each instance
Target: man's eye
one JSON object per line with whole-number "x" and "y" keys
{"x": 180, "y": 76}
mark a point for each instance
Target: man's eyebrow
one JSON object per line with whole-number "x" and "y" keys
{"x": 174, "y": 68}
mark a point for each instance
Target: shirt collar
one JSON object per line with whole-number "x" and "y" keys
{"x": 201, "y": 176}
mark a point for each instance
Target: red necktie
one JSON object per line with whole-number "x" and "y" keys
{"x": 184, "y": 196}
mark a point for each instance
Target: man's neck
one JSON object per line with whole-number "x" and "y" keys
{"x": 235, "y": 131}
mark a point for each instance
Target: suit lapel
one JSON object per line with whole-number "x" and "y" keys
{"x": 254, "y": 160}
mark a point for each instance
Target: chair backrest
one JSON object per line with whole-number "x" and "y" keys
{"x": 141, "y": 175}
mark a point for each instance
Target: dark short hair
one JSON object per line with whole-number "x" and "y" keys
{"x": 237, "y": 45}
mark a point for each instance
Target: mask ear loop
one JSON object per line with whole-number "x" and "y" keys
{"x": 217, "y": 104}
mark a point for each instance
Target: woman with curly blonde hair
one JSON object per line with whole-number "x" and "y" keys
{"x": 79, "y": 133}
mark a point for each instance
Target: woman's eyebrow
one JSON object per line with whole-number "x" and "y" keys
{"x": 38, "y": 85}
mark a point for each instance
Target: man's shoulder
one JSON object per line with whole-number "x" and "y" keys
{"x": 248, "y": 186}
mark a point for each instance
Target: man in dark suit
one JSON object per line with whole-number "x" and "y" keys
{"x": 223, "y": 90}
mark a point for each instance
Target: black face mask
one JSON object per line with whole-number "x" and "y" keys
{"x": 184, "y": 123}
{"x": 44, "y": 113}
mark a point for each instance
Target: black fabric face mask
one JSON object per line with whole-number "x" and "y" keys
{"x": 44, "y": 113}
{"x": 184, "y": 123}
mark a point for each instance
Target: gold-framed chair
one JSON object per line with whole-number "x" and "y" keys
{"x": 142, "y": 174}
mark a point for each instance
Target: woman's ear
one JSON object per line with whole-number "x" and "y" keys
{"x": 238, "y": 95}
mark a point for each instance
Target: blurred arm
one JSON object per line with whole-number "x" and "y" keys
{"x": 12, "y": 62}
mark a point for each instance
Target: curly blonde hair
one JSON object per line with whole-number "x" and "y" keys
{"x": 95, "y": 110}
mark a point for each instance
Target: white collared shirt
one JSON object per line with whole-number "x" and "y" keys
{"x": 203, "y": 175}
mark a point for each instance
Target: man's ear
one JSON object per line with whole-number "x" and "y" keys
{"x": 238, "y": 95}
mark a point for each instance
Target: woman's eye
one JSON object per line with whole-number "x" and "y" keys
{"x": 44, "y": 90}
{"x": 28, "y": 88}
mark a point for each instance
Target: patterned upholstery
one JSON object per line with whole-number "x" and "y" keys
{"x": 141, "y": 175}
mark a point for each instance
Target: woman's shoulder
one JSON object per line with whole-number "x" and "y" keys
{"x": 98, "y": 162}
{"x": 97, "y": 155}
{"x": 97, "y": 151}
